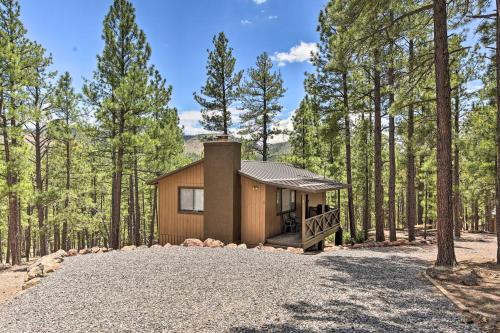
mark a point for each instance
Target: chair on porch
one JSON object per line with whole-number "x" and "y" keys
{"x": 290, "y": 223}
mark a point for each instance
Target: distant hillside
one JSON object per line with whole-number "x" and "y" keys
{"x": 193, "y": 146}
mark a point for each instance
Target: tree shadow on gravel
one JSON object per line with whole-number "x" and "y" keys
{"x": 369, "y": 294}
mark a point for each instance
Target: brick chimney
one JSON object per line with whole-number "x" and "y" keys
{"x": 222, "y": 198}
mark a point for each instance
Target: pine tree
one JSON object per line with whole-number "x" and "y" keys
{"x": 119, "y": 92}
{"x": 65, "y": 104}
{"x": 260, "y": 96}
{"x": 305, "y": 139}
{"x": 446, "y": 252}
{"x": 19, "y": 58}
{"x": 221, "y": 89}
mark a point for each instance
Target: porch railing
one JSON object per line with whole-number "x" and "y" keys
{"x": 321, "y": 224}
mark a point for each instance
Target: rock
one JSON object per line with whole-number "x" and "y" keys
{"x": 35, "y": 271}
{"x": 395, "y": 243}
{"x": 357, "y": 246}
{"x": 231, "y": 246}
{"x": 167, "y": 245}
{"x": 50, "y": 267}
{"x": 104, "y": 249}
{"x": 156, "y": 246}
{"x": 386, "y": 243}
{"x": 95, "y": 249}
{"x": 128, "y": 248}
{"x": 259, "y": 247}
{"x": 192, "y": 242}
{"x": 30, "y": 283}
{"x": 59, "y": 254}
{"x": 84, "y": 251}
{"x": 72, "y": 253}
{"x": 142, "y": 247}
{"x": 414, "y": 242}
{"x": 294, "y": 250}
{"x": 242, "y": 246}
{"x": 209, "y": 242}
{"x": 268, "y": 249}
{"x": 470, "y": 279}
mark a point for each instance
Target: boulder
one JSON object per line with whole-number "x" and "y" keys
{"x": 231, "y": 246}
{"x": 95, "y": 249}
{"x": 104, "y": 249}
{"x": 357, "y": 246}
{"x": 192, "y": 242}
{"x": 209, "y": 242}
{"x": 470, "y": 279}
{"x": 72, "y": 253}
{"x": 268, "y": 249}
{"x": 84, "y": 251}
{"x": 35, "y": 271}
{"x": 128, "y": 248}
{"x": 294, "y": 250}
{"x": 242, "y": 246}
{"x": 30, "y": 283}
{"x": 143, "y": 247}
{"x": 167, "y": 245}
{"x": 60, "y": 254}
{"x": 156, "y": 246}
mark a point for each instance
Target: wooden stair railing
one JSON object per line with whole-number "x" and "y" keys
{"x": 319, "y": 224}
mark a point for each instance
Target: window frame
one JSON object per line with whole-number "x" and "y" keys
{"x": 279, "y": 201}
{"x": 193, "y": 188}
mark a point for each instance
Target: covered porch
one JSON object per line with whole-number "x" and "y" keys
{"x": 314, "y": 224}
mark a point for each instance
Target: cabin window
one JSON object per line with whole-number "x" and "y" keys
{"x": 285, "y": 200}
{"x": 191, "y": 199}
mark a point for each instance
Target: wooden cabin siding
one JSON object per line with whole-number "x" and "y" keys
{"x": 253, "y": 211}
{"x": 175, "y": 227}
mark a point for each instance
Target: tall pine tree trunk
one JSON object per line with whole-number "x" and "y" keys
{"x": 446, "y": 250}
{"x": 457, "y": 219}
{"x": 411, "y": 199}
{"x": 117, "y": 189}
{"x": 497, "y": 200}
{"x": 392, "y": 164}
{"x": 154, "y": 215}
{"x": 347, "y": 129}
{"x": 39, "y": 187}
{"x": 379, "y": 189}
{"x": 64, "y": 244}
{"x": 137, "y": 218}
{"x": 366, "y": 187}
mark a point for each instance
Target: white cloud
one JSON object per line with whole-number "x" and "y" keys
{"x": 272, "y": 17}
{"x": 246, "y": 22}
{"x": 190, "y": 120}
{"x": 259, "y": 2}
{"x": 298, "y": 53}
{"x": 284, "y": 124}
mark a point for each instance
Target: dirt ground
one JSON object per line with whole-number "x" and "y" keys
{"x": 476, "y": 255}
{"x": 11, "y": 282}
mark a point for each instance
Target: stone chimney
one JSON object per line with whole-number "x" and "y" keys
{"x": 222, "y": 198}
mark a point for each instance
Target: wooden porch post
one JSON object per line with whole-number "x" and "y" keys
{"x": 303, "y": 216}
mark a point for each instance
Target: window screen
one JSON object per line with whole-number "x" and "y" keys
{"x": 191, "y": 199}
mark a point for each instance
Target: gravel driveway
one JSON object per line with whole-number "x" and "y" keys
{"x": 213, "y": 290}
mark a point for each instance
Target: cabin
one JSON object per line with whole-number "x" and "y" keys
{"x": 252, "y": 202}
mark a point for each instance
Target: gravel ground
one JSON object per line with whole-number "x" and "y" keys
{"x": 214, "y": 290}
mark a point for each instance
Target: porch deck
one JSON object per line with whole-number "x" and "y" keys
{"x": 314, "y": 230}
{"x": 292, "y": 239}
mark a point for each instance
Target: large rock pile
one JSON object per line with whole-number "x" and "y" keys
{"x": 43, "y": 266}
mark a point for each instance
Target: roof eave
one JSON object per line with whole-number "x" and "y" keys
{"x": 157, "y": 179}
{"x": 296, "y": 188}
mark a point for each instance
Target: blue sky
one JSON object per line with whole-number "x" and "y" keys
{"x": 179, "y": 32}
